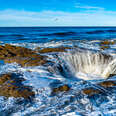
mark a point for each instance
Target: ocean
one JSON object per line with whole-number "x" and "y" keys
{"x": 78, "y": 78}
{"x": 47, "y": 34}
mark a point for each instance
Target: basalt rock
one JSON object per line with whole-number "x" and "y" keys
{"x": 106, "y": 44}
{"x": 108, "y": 84}
{"x": 90, "y": 91}
{"x": 11, "y": 86}
{"x": 104, "y": 47}
{"x": 62, "y": 88}
{"x": 49, "y": 50}
{"x": 26, "y": 61}
{"x": 21, "y": 55}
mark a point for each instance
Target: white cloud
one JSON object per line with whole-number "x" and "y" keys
{"x": 48, "y": 18}
{"x": 87, "y": 7}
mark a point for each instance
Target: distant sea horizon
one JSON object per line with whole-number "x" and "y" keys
{"x": 60, "y": 26}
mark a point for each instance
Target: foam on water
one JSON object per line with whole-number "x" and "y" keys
{"x": 43, "y": 45}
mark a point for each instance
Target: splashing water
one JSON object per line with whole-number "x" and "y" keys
{"x": 90, "y": 65}
{"x": 85, "y": 63}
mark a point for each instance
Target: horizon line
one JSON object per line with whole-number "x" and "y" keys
{"x": 50, "y": 26}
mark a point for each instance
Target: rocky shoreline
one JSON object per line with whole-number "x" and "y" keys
{"x": 11, "y": 85}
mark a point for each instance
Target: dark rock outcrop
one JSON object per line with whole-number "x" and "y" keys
{"x": 62, "y": 88}
{"x": 105, "y": 84}
{"x": 90, "y": 91}
{"x": 21, "y": 55}
{"x": 108, "y": 84}
{"x": 49, "y": 50}
{"x": 11, "y": 86}
{"x": 106, "y": 44}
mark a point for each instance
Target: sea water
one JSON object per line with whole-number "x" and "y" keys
{"x": 82, "y": 67}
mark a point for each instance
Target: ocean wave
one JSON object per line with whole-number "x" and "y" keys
{"x": 2, "y": 35}
{"x": 59, "y": 34}
{"x": 96, "y": 32}
{"x": 101, "y": 31}
{"x": 112, "y": 31}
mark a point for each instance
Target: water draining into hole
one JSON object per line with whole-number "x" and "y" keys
{"x": 90, "y": 65}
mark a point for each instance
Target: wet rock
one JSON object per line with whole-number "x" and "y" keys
{"x": 107, "y": 84}
{"x": 11, "y": 86}
{"x": 64, "y": 88}
{"x": 107, "y": 42}
{"x": 20, "y": 60}
{"x": 61, "y": 89}
{"x": 90, "y": 91}
{"x": 48, "y": 50}
{"x": 36, "y": 62}
{"x": 26, "y": 61}
{"x": 21, "y": 55}
{"x": 111, "y": 75}
{"x": 12, "y": 51}
{"x": 104, "y": 47}
{"x": 20, "y": 51}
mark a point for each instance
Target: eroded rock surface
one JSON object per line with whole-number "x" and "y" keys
{"x": 21, "y": 55}
{"x": 90, "y": 91}
{"x": 11, "y": 86}
{"x": 62, "y": 88}
{"x": 106, "y": 44}
{"x": 49, "y": 50}
{"x": 107, "y": 84}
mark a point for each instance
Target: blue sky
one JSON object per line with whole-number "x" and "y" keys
{"x": 57, "y": 13}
